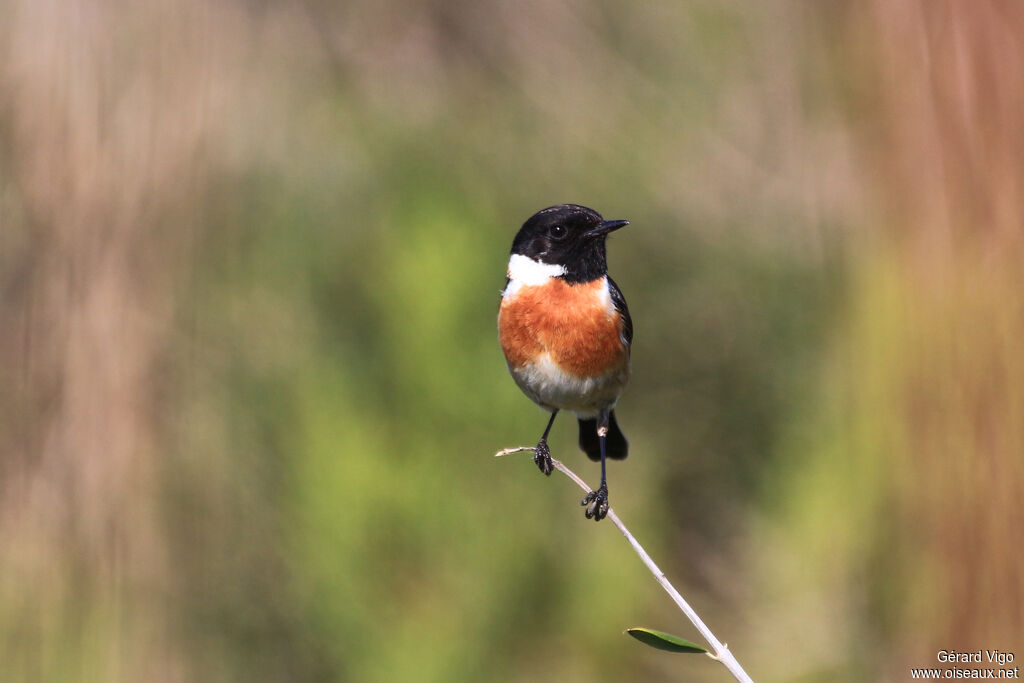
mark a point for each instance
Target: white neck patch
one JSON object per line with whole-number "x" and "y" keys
{"x": 524, "y": 271}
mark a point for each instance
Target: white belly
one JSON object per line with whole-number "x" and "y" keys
{"x": 552, "y": 388}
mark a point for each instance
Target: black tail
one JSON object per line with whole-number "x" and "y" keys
{"x": 617, "y": 446}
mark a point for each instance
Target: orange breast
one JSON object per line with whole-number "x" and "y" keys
{"x": 574, "y": 323}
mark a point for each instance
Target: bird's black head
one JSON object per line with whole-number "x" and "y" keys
{"x": 568, "y": 235}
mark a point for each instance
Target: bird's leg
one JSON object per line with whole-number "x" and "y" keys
{"x": 542, "y": 454}
{"x": 596, "y": 502}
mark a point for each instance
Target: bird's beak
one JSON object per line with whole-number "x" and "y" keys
{"x": 605, "y": 228}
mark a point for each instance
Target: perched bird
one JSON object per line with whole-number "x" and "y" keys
{"x": 566, "y": 331}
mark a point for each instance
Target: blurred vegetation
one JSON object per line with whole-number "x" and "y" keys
{"x": 250, "y": 255}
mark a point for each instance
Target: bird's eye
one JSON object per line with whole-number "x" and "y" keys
{"x": 557, "y": 231}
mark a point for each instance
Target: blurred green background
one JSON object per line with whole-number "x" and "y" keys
{"x": 250, "y": 256}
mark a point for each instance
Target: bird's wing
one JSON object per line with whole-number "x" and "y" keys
{"x": 619, "y": 302}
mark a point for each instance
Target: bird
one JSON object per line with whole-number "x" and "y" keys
{"x": 566, "y": 332}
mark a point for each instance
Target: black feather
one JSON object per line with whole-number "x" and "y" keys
{"x": 619, "y": 302}
{"x": 617, "y": 446}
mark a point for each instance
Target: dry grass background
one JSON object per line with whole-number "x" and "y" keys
{"x": 225, "y": 454}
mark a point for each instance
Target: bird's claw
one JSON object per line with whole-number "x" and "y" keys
{"x": 596, "y": 503}
{"x": 542, "y": 456}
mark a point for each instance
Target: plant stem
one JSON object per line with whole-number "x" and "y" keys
{"x": 721, "y": 652}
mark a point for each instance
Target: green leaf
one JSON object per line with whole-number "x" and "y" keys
{"x": 664, "y": 641}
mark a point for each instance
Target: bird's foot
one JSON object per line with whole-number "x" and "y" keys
{"x": 596, "y": 503}
{"x": 542, "y": 456}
